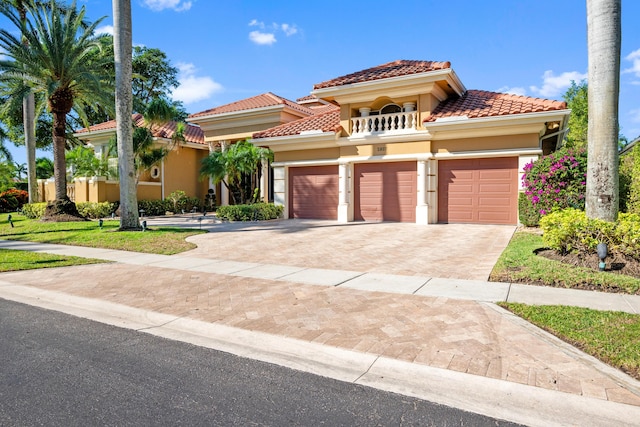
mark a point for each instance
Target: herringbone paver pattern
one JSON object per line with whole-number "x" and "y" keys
{"x": 460, "y": 251}
{"x": 463, "y": 336}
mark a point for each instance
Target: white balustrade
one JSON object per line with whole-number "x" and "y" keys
{"x": 384, "y": 122}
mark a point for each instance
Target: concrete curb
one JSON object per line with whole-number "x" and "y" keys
{"x": 501, "y": 399}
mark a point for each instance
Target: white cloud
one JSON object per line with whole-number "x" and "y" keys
{"x": 513, "y": 90}
{"x": 193, "y": 88}
{"x": 635, "y": 115}
{"x": 105, "y": 29}
{"x": 262, "y": 38}
{"x": 177, "y": 5}
{"x": 267, "y": 35}
{"x": 289, "y": 30}
{"x": 634, "y": 57}
{"x": 553, "y": 85}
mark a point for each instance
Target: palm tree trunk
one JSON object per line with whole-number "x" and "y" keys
{"x": 59, "y": 162}
{"x": 124, "y": 107}
{"x": 603, "y": 38}
{"x": 29, "y": 122}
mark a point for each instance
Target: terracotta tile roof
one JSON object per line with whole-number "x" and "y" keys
{"x": 391, "y": 69}
{"x": 479, "y": 103}
{"x": 259, "y": 101}
{"x": 326, "y": 119}
{"x": 192, "y": 133}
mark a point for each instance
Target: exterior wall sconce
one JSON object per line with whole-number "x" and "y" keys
{"x": 602, "y": 254}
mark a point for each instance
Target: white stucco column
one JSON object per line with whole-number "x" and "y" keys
{"x": 422, "y": 207}
{"x": 224, "y": 191}
{"x": 280, "y": 189}
{"x": 345, "y": 207}
{"x": 432, "y": 190}
{"x": 264, "y": 182}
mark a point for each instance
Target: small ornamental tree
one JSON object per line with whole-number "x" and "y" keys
{"x": 556, "y": 181}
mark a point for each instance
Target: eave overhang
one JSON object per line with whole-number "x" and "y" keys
{"x": 298, "y": 142}
{"x": 408, "y": 85}
{"x": 496, "y": 126}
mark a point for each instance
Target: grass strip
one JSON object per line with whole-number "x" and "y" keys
{"x": 519, "y": 263}
{"x": 613, "y": 337}
{"x": 14, "y": 260}
{"x": 165, "y": 241}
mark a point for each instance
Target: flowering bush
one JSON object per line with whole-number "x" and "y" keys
{"x": 13, "y": 199}
{"x": 556, "y": 181}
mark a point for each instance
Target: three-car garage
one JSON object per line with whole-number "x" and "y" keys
{"x": 478, "y": 190}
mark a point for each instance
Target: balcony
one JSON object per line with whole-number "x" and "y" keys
{"x": 389, "y": 122}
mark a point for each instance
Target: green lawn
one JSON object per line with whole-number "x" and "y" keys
{"x": 11, "y": 260}
{"x": 612, "y": 337}
{"x": 167, "y": 241}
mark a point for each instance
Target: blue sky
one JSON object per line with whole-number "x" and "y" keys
{"x": 233, "y": 49}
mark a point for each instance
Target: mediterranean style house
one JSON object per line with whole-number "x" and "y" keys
{"x": 402, "y": 141}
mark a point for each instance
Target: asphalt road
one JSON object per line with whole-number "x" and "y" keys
{"x": 59, "y": 370}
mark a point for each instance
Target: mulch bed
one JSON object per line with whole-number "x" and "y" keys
{"x": 617, "y": 264}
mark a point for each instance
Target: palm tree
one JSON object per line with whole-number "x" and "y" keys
{"x": 4, "y": 151}
{"x": 603, "y": 39}
{"x": 230, "y": 165}
{"x": 60, "y": 64}
{"x": 19, "y": 169}
{"x": 28, "y": 102}
{"x": 122, "y": 41}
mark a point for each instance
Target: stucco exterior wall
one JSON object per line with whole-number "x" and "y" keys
{"x": 182, "y": 171}
{"x": 316, "y": 154}
{"x": 486, "y": 143}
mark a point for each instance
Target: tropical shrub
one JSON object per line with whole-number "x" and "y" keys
{"x": 178, "y": 201}
{"x": 34, "y": 210}
{"x": 13, "y": 199}
{"x": 253, "y": 212}
{"x": 556, "y": 181}
{"x": 527, "y": 213}
{"x": 96, "y": 210}
{"x": 630, "y": 181}
{"x": 570, "y": 230}
{"x": 154, "y": 207}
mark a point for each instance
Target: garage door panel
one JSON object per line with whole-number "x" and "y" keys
{"x": 504, "y": 188}
{"x": 385, "y": 191}
{"x": 314, "y": 192}
{"x": 478, "y": 190}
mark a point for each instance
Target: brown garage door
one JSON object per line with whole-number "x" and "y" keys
{"x": 385, "y": 191}
{"x": 313, "y": 192}
{"x": 478, "y": 190}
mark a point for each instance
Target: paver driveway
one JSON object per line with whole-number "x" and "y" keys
{"x": 460, "y": 251}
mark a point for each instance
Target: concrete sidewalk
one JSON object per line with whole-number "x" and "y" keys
{"x": 437, "y": 339}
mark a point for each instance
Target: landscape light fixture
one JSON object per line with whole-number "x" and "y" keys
{"x": 100, "y": 222}
{"x": 10, "y": 221}
{"x": 142, "y": 212}
{"x": 602, "y": 254}
{"x": 144, "y": 225}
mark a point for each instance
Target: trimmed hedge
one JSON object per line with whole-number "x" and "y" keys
{"x": 254, "y": 212}
{"x": 34, "y": 210}
{"x": 570, "y": 230}
{"x": 96, "y": 210}
{"x": 528, "y": 213}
